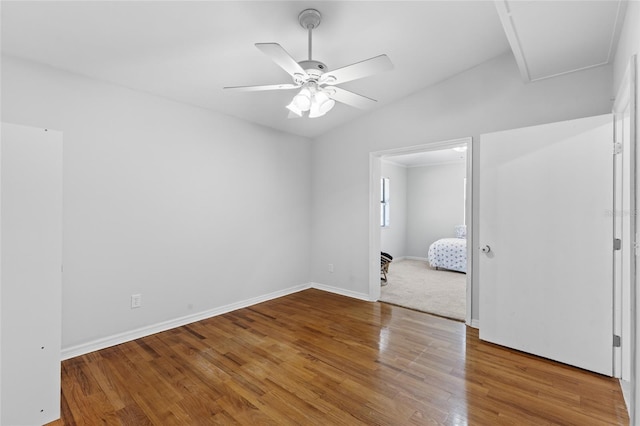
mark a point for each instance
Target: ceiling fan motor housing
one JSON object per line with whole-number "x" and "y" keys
{"x": 314, "y": 68}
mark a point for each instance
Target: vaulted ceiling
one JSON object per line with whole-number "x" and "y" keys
{"x": 188, "y": 51}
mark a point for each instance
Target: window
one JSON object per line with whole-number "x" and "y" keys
{"x": 384, "y": 202}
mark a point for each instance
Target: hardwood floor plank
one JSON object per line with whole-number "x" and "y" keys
{"x": 316, "y": 358}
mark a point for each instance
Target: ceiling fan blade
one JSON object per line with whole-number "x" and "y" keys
{"x": 282, "y": 58}
{"x": 350, "y": 98}
{"x": 358, "y": 70}
{"x": 261, "y": 88}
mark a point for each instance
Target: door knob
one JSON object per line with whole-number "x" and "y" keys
{"x": 486, "y": 249}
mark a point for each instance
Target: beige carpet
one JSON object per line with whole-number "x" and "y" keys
{"x": 414, "y": 284}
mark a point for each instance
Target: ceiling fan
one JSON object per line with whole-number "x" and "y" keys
{"x": 316, "y": 84}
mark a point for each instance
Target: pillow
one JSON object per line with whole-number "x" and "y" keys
{"x": 461, "y": 231}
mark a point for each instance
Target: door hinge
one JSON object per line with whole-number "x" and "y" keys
{"x": 617, "y": 244}
{"x": 616, "y": 341}
{"x": 617, "y": 148}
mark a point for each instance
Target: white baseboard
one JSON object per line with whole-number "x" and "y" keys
{"x": 415, "y": 258}
{"x": 127, "y": 336}
{"x": 475, "y": 323}
{"x": 340, "y": 291}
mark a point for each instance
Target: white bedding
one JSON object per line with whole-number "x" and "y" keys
{"x": 449, "y": 253}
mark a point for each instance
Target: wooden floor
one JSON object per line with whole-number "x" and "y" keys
{"x": 315, "y": 358}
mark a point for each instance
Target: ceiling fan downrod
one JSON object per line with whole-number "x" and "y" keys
{"x": 310, "y": 19}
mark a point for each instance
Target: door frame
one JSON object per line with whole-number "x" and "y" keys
{"x": 375, "y": 160}
{"x": 627, "y": 98}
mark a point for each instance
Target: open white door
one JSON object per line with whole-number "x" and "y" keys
{"x": 546, "y": 239}
{"x": 31, "y": 278}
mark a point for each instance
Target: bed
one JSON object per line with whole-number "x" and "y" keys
{"x": 450, "y": 253}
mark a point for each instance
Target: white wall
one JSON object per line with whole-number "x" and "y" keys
{"x": 435, "y": 205}
{"x": 484, "y": 99}
{"x": 192, "y": 209}
{"x": 393, "y": 239}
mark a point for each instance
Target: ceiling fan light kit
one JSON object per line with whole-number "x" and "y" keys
{"x": 312, "y": 99}
{"x": 315, "y": 83}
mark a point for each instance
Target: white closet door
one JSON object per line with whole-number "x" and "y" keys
{"x": 31, "y": 259}
{"x": 546, "y": 226}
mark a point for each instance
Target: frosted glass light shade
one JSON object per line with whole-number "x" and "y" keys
{"x": 303, "y": 99}
{"x": 313, "y": 99}
{"x": 321, "y": 105}
{"x": 294, "y": 109}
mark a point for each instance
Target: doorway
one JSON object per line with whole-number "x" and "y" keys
{"x": 413, "y": 175}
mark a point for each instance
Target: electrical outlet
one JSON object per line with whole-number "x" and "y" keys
{"x": 136, "y": 301}
{"x": 331, "y": 267}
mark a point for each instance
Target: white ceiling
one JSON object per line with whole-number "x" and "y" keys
{"x": 583, "y": 34}
{"x": 187, "y": 51}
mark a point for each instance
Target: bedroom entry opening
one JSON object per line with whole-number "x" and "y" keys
{"x": 421, "y": 220}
